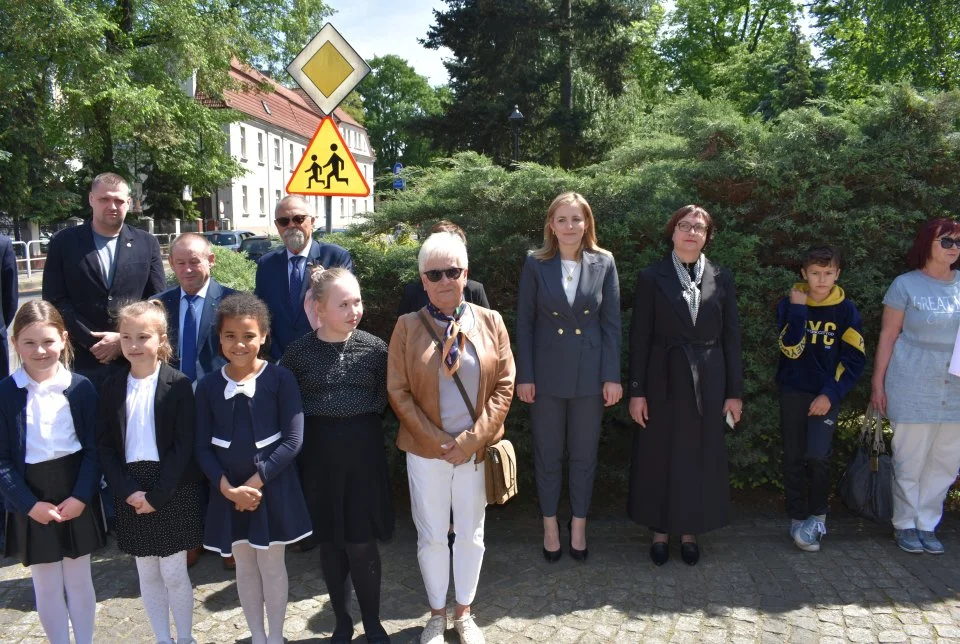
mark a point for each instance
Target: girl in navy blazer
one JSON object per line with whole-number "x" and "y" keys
{"x": 49, "y": 474}
{"x": 568, "y": 360}
{"x": 249, "y": 431}
{"x": 145, "y": 434}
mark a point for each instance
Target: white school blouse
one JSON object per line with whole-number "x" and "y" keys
{"x": 141, "y": 436}
{"x": 50, "y": 430}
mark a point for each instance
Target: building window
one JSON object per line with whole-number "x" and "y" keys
{"x": 342, "y": 207}
{"x": 278, "y": 197}
{"x": 243, "y": 143}
{"x": 291, "y": 157}
{"x": 266, "y": 108}
{"x": 303, "y": 151}
{"x": 276, "y": 153}
{"x": 353, "y": 208}
{"x": 244, "y": 202}
{"x": 263, "y": 202}
{"x": 260, "y": 147}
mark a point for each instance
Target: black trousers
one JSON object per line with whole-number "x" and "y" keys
{"x": 807, "y": 447}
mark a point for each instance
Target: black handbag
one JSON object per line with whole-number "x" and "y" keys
{"x": 866, "y": 486}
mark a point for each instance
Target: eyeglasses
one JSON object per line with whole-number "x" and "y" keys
{"x": 949, "y": 242}
{"x": 697, "y": 229}
{"x": 438, "y": 274}
{"x": 285, "y": 221}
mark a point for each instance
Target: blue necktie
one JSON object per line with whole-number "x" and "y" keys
{"x": 188, "y": 340}
{"x": 296, "y": 281}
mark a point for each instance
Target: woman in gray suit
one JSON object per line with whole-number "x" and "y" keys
{"x": 568, "y": 360}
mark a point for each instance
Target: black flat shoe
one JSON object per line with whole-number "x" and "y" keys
{"x": 342, "y": 634}
{"x": 552, "y": 556}
{"x": 576, "y": 555}
{"x": 690, "y": 552}
{"x": 659, "y": 552}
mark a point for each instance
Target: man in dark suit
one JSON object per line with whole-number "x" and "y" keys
{"x": 283, "y": 274}
{"x": 192, "y": 307}
{"x": 8, "y": 299}
{"x": 414, "y": 295}
{"x": 92, "y": 269}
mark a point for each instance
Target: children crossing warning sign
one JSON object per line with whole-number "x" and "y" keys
{"x": 327, "y": 167}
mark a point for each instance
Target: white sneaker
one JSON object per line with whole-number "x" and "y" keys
{"x": 468, "y": 630}
{"x": 433, "y": 631}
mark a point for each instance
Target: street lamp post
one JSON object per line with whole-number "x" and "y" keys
{"x": 516, "y": 120}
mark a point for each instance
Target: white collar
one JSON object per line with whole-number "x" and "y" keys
{"x": 247, "y": 387}
{"x": 305, "y": 253}
{"x": 202, "y": 293}
{"x": 60, "y": 381}
{"x": 149, "y": 381}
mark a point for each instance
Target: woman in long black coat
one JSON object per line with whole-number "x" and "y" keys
{"x": 685, "y": 380}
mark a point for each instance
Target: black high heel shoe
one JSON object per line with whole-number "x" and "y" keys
{"x": 659, "y": 552}
{"x": 552, "y": 556}
{"x": 577, "y": 555}
{"x": 690, "y": 552}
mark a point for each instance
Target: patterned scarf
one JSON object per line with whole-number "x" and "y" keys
{"x": 690, "y": 287}
{"x": 452, "y": 338}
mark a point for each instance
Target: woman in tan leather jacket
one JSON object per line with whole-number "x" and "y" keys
{"x": 444, "y": 430}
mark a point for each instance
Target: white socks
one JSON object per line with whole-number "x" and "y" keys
{"x": 262, "y": 582}
{"x": 165, "y": 587}
{"x": 64, "y": 593}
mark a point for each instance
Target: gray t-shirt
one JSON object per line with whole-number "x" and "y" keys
{"x": 106, "y": 252}
{"x": 918, "y": 385}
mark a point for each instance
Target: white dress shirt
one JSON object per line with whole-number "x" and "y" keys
{"x": 50, "y": 430}
{"x": 141, "y": 439}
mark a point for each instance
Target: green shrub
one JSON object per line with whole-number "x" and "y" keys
{"x": 860, "y": 175}
{"x": 233, "y": 269}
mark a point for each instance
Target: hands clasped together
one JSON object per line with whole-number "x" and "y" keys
{"x": 246, "y": 497}
{"x": 43, "y": 512}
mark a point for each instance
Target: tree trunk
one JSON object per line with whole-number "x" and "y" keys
{"x": 566, "y": 84}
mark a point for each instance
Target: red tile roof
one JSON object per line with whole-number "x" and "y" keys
{"x": 290, "y": 109}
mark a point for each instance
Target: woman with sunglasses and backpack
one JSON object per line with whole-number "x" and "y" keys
{"x": 568, "y": 361}
{"x": 450, "y": 382}
{"x": 913, "y": 387}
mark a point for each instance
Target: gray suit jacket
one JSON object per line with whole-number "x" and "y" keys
{"x": 568, "y": 351}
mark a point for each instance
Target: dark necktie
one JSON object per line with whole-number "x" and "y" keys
{"x": 296, "y": 281}
{"x": 188, "y": 340}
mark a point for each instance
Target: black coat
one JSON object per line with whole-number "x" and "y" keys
{"x": 415, "y": 297}
{"x": 174, "y": 415}
{"x": 8, "y": 298}
{"x": 73, "y": 283}
{"x": 679, "y": 480}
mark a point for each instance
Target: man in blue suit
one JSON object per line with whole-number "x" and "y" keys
{"x": 93, "y": 269}
{"x": 8, "y": 299}
{"x": 283, "y": 275}
{"x": 192, "y": 307}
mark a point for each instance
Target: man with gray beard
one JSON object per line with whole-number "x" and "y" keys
{"x": 283, "y": 274}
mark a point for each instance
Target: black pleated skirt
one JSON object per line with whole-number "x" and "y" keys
{"x": 343, "y": 469}
{"x": 33, "y": 543}
{"x": 176, "y": 526}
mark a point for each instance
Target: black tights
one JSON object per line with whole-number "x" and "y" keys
{"x": 361, "y": 562}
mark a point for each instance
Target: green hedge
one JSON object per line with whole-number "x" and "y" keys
{"x": 861, "y": 175}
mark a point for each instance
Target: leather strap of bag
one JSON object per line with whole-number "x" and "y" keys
{"x": 456, "y": 376}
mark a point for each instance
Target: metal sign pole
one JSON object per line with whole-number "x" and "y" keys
{"x": 328, "y": 209}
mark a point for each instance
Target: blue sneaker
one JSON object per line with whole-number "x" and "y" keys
{"x": 930, "y": 543}
{"x": 908, "y": 540}
{"x": 807, "y": 535}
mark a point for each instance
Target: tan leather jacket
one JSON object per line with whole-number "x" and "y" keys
{"x": 413, "y": 384}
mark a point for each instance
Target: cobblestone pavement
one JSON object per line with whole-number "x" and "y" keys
{"x": 751, "y": 585}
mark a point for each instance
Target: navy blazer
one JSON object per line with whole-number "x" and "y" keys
{"x": 289, "y": 322}
{"x": 568, "y": 351}
{"x": 8, "y": 298}
{"x": 73, "y": 283}
{"x": 209, "y": 358}
{"x": 174, "y": 416}
{"x": 82, "y": 398}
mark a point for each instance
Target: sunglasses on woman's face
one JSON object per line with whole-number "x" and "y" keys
{"x": 949, "y": 242}
{"x": 438, "y": 274}
{"x": 296, "y": 219}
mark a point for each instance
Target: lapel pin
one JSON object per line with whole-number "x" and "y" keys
{"x": 129, "y": 244}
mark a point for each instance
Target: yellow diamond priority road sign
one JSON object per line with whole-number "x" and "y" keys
{"x": 328, "y": 68}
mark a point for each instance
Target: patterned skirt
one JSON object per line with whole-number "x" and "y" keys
{"x": 176, "y": 526}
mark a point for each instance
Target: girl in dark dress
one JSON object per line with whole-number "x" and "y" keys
{"x": 685, "y": 379}
{"x": 49, "y": 474}
{"x": 342, "y": 374}
{"x": 249, "y": 431}
{"x": 145, "y": 435}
